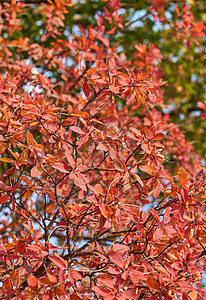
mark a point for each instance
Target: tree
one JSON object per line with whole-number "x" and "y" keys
{"x": 102, "y": 195}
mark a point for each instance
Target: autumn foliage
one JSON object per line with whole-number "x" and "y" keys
{"x": 101, "y": 194}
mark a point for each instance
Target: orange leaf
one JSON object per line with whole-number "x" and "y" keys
{"x": 7, "y": 285}
{"x": 23, "y": 158}
{"x": 49, "y": 208}
{"x": 15, "y": 154}
{"x": 59, "y": 291}
{"x": 74, "y": 297}
{"x": 81, "y": 114}
{"x": 91, "y": 71}
{"x": 152, "y": 283}
{"x": 44, "y": 281}
{"x": 26, "y": 180}
{"x": 30, "y": 139}
{"x": 177, "y": 9}
{"x": 183, "y": 176}
{"x": 158, "y": 136}
{"x": 6, "y": 159}
{"x": 105, "y": 211}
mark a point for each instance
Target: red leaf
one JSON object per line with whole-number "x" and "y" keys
{"x": 130, "y": 98}
{"x": 58, "y": 261}
{"x": 185, "y": 286}
{"x": 116, "y": 259}
{"x": 120, "y": 248}
{"x": 82, "y": 30}
{"x": 2, "y": 249}
{"x": 70, "y": 159}
{"x": 36, "y": 171}
{"x": 32, "y": 281}
{"x": 177, "y": 266}
{"x": 61, "y": 167}
{"x": 114, "y": 89}
{"x": 118, "y": 164}
{"x": 201, "y": 175}
{"x": 152, "y": 97}
{"x": 99, "y": 20}
{"x": 80, "y": 183}
{"x": 104, "y": 40}
{"x": 4, "y": 199}
{"x": 148, "y": 169}
{"x": 108, "y": 282}
{"x": 97, "y": 189}
{"x": 138, "y": 179}
{"x": 86, "y": 89}
{"x": 166, "y": 175}
{"x": 137, "y": 276}
{"x": 8, "y": 171}
{"x": 166, "y": 216}
{"x": 20, "y": 247}
{"x": 112, "y": 63}
{"x": 100, "y": 291}
{"x": 74, "y": 275}
{"x": 102, "y": 221}
{"x": 76, "y": 129}
{"x": 51, "y": 277}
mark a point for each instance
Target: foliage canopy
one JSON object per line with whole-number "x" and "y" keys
{"x": 102, "y": 183}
